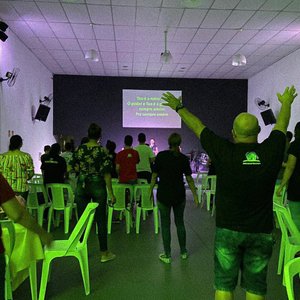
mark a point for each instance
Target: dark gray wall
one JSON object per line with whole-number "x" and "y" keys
{"x": 80, "y": 100}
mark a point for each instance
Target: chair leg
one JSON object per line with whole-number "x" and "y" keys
{"x": 109, "y": 219}
{"x": 40, "y": 214}
{"x": 138, "y": 219}
{"x": 281, "y": 256}
{"x": 67, "y": 214}
{"x": 155, "y": 216}
{"x": 128, "y": 220}
{"x": 208, "y": 200}
{"x": 84, "y": 266}
{"x": 50, "y": 212}
{"x": 44, "y": 279}
{"x": 8, "y": 288}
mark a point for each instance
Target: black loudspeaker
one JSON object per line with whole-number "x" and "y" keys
{"x": 42, "y": 113}
{"x": 268, "y": 117}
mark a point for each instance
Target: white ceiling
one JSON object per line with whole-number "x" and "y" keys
{"x": 129, "y": 35}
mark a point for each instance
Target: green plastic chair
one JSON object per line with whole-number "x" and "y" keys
{"x": 32, "y": 203}
{"x": 119, "y": 191}
{"x": 290, "y": 236}
{"x": 56, "y": 192}
{"x": 8, "y": 224}
{"x": 145, "y": 204}
{"x": 291, "y": 269}
{"x": 71, "y": 247}
{"x": 209, "y": 190}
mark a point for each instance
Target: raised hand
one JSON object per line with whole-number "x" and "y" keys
{"x": 288, "y": 95}
{"x": 171, "y": 100}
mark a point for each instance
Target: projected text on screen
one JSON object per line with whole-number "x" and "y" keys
{"x": 144, "y": 109}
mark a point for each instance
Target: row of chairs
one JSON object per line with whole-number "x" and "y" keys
{"x": 140, "y": 196}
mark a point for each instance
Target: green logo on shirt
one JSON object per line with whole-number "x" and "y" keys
{"x": 251, "y": 159}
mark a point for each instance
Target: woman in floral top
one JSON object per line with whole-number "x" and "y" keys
{"x": 93, "y": 165}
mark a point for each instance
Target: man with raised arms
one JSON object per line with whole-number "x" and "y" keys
{"x": 246, "y": 175}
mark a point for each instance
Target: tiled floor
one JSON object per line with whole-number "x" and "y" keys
{"x": 138, "y": 274}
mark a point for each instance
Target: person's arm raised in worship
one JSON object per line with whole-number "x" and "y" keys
{"x": 193, "y": 122}
{"x": 286, "y": 99}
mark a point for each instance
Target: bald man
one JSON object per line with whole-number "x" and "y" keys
{"x": 246, "y": 176}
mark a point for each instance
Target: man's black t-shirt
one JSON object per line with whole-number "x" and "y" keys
{"x": 293, "y": 191}
{"x": 246, "y": 176}
{"x": 54, "y": 169}
{"x": 170, "y": 167}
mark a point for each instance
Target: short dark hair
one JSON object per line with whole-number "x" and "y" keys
{"x": 289, "y": 135}
{"x": 174, "y": 140}
{"x": 55, "y": 149}
{"x": 142, "y": 137}
{"x": 128, "y": 140}
{"x": 15, "y": 142}
{"x": 297, "y": 131}
{"x": 94, "y": 131}
{"x": 47, "y": 148}
{"x": 68, "y": 146}
{"x": 111, "y": 146}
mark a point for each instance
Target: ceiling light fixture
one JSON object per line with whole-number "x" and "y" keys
{"x": 166, "y": 56}
{"x": 239, "y": 60}
{"x": 92, "y": 55}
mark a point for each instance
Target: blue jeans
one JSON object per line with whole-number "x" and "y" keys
{"x": 2, "y": 276}
{"x": 248, "y": 252}
{"x": 165, "y": 217}
{"x": 295, "y": 212}
{"x": 93, "y": 188}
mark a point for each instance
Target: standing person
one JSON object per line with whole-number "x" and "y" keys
{"x": 291, "y": 176}
{"x": 46, "y": 152}
{"x": 70, "y": 176}
{"x": 54, "y": 167}
{"x": 93, "y": 164}
{"x": 153, "y": 146}
{"x": 17, "y": 166}
{"x": 111, "y": 148}
{"x": 126, "y": 162}
{"x": 146, "y": 158}
{"x": 170, "y": 166}
{"x": 247, "y": 173}
{"x": 17, "y": 213}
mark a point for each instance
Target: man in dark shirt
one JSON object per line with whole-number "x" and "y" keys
{"x": 247, "y": 174}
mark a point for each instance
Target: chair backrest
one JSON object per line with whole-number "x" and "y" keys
{"x": 146, "y": 200}
{"x": 209, "y": 183}
{"x": 12, "y": 235}
{"x": 291, "y": 269}
{"x": 56, "y": 192}
{"x": 286, "y": 223}
{"x": 119, "y": 191}
{"x": 279, "y": 199}
{"x": 83, "y": 227}
{"x": 36, "y": 178}
{"x": 34, "y": 189}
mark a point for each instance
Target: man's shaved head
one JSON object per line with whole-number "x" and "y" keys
{"x": 245, "y": 125}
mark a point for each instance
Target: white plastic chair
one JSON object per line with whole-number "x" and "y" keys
{"x": 280, "y": 200}
{"x": 291, "y": 269}
{"x": 71, "y": 247}
{"x": 119, "y": 191}
{"x": 32, "y": 203}
{"x": 145, "y": 204}
{"x": 56, "y": 192}
{"x": 290, "y": 236}
{"x": 8, "y": 251}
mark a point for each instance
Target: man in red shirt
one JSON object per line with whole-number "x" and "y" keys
{"x": 17, "y": 213}
{"x": 126, "y": 162}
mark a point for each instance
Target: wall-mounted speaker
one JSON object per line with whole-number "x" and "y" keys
{"x": 268, "y": 117}
{"x": 42, "y": 113}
